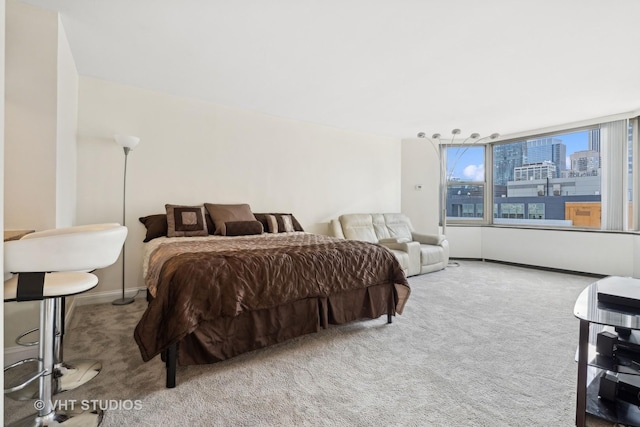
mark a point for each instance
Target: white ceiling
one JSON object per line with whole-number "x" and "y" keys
{"x": 391, "y": 67}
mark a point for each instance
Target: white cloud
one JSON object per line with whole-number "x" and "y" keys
{"x": 474, "y": 172}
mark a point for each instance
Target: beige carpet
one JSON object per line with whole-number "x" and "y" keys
{"x": 482, "y": 344}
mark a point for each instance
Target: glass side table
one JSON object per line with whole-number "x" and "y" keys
{"x": 596, "y": 317}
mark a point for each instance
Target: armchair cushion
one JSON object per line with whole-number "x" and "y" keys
{"x": 399, "y": 225}
{"x": 358, "y": 227}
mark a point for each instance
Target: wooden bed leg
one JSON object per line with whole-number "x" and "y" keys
{"x": 171, "y": 356}
{"x": 389, "y": 317}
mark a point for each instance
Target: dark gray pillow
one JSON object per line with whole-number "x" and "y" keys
{"x": 243, "y": 228}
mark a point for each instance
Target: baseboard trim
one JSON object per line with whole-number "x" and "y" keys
{"x": 539, "y": 267}
{"x": 107, "y": 296}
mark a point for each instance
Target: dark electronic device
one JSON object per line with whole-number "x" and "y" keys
{"x": 620, "y": 291}
{"x": 612, "y": 388}
{"x": 608, "y": 344}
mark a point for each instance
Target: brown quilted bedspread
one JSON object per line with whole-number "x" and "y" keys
{"x": 196, "y": 281}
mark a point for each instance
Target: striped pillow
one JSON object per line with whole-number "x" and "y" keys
{"x": 279, "y": 223}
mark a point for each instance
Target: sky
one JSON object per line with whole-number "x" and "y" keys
{"x": 468, "y": 163}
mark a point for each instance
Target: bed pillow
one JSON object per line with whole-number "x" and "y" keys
{"x": 265, "y": 218}
{"x": 186, "y": 221}
{"x": 220, "y": 214}
{"x": 243, "y": 228}
{"x": 156, "y": 225}
{"x": 279, "y": 223}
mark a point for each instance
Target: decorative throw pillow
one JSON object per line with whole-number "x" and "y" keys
{"x": 185, "y": 221}
{"x": 279, "y": 223}
{"x": 226, "y": 213}
{"x": 243, "y": 228}
{"x": 262, "y": 217}
{"x": 156, "y": 226}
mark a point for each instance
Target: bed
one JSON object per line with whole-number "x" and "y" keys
{"x": 214, "y": 297}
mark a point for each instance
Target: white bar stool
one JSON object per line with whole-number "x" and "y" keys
{"x": 68, "y": 375}
{"x": 66, "y": 254}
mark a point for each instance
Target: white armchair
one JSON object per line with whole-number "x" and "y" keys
{"x": 417, "y": 253}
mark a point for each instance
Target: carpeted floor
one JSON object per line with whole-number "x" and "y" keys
{"x": 482, "y": 344}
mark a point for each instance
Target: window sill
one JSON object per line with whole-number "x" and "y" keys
{"x": 541, "y": 228}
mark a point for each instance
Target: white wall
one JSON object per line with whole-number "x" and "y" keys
{"x": 420, "y": 166}
{"x": 67, "y": 125}
{"x": 589, "y": 252}
{"x": 41, "y": 121}
{"x": 599, "y": 253}
{"x": 193, "y": 152}
{"x": 30, "y": 117}
{"x": 465, "y": 242}
{"x": 30, "y": 136}
{"x": 40, "y": 127}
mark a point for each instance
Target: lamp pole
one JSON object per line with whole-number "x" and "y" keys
{"x": 127, "y": 142}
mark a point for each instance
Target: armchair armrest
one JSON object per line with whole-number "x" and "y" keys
{"x": 411, "y": 248}
{"x": 393, "y": 240}
{"x": 402, "y": 246}
{"x": 429, "y": 239}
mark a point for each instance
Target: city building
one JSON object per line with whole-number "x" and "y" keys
{"x": 584, "y": 163}
{"x": 532, "y": 171}
{"x": 506, "y": 158}
{"x": 541, "y": 149}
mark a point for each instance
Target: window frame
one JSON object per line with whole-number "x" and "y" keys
{"x": 632, "y": 213}
{"x": 472, "y": 220}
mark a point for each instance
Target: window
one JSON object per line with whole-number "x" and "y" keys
{"x": 535, "y": 211}
{"x": 465, "y": 179}
{"x": 583, "y": 178}
{"x": 548, "y": 174}
{"x": 512, "y": 210}
{"x": 468, "y": 210}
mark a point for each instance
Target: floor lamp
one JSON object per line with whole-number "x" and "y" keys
{"x": 127, "y": 143}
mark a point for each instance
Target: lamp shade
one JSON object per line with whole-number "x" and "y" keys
{"x": 127, "y": 141}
